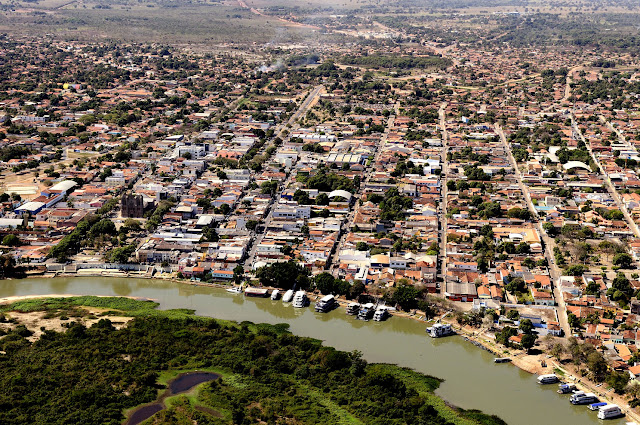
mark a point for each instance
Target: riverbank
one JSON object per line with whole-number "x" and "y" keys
{"x": 540, "y": 364}
{"x": 198, "y": 344}
{"x": 464, "y": 368}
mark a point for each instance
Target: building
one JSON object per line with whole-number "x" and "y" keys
{"x": 132, "y": 205}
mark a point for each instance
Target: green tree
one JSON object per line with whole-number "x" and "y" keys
{"x": 623, "y": 260}
{"x": 528, "y": 341}
{"x": 405, "y": 296}
{"x": 11, "y": 240}
{"x": 526, "y": 326}
{"x": 238, "y": 272}
{"x": 597, "y": 366}
{"x": 324, "y": 282}
{"x": 618, "y": 381}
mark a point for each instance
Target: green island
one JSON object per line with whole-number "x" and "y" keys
{"x": 110, "y": 355}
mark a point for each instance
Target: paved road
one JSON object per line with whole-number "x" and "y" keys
{"x": 610, "y": 187}
{"x": 302, "y": 109}
{"x": 444, "y": 193}
{"x": 334, "y": 263}
{"x": 549, "y": 243}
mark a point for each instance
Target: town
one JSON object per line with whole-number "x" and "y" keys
{"x": 498, "y": 187}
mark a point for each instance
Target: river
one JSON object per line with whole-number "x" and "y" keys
{"x": 472, "y": 380}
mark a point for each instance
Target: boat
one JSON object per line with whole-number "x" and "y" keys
{"x": 583, "y": 398}
{"x": 288, "y": 296}
{"x": 353, "y": 309}
{"x": 366, "y": 311}
{"x": 597, "y": 406}
{"x": 256, "y": 292}
{"x": 566, "y": 388}
{"x": 300, "y": 299}
{"x": 439, "y": 330}
{"x": 380, "y": 314}
{"x": 610, "y": 411}
{"x": 326, "y": 303}
{"x": 502, "y": 359}
{"x": 235, "y": 290}
{"x": 275, "y": 294}
{"x": 547, "y": 379}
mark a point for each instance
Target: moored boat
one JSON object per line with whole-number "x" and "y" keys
{"x": 502, "y": 360}
{"x": 275, "y": 294}
{"x": 597, "y": 406}
{"x": 288, "y": 296}
{"x": 326, "y": 303}
{"x": 581, "y": 398}
{"x": 547, "y": 379}
{"x": 566, "y": 388}
{"x": 381, "y": 314}
{"x": 353, "y": 309}
{"x": 300, "y": 299}
{"x": 256, "y": 292}
{"x": 235, "y": 290}
{"x": 366, "y": 311}
{"x": 439, "y": 330}
{"x": 610, "y": 411}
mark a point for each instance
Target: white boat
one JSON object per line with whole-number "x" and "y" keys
{"x": 325, "y": 303}
{"x": 380, "y": 314}
{"x": 547, "y": 379}
{"x": 288, "y": 296}
{"x": 300, "y": 300}
{"x": 566, "y": 388}
{"x": 439, "y": 330}
{"x": 353, "y": 309}
{"x": 583, "y": 398}
{"x": 366, "y": 311}
{"x": 275, "y": 294}
{"x": 609, "y": 411}
{"x": 235, "y": 290}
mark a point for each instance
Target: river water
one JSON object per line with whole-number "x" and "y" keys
{"x": 472, "y": 380}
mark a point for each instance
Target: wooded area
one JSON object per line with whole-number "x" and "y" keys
{"x": 91, "y": 375}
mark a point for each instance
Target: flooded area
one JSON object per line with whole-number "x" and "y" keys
{"x": 472, "y": 379}
{"x": 181, "y": 384}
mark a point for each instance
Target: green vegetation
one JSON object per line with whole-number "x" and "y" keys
{"x": 91, "y": 375}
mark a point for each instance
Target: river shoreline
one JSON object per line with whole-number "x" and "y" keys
{"x": 470, "y": 335}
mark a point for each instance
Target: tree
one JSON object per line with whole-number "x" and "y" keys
{"x": 324, "y": 282}
{"x": 11, "y": 240}
{"x": 528, "y": 341}
{"x": 405, "y": 296}
{"x": 362, "y": 246}
{"x": 204, "y": 203}
{"x": 322, "y": 199}
{"x": 238, "y": 272}
{"x": 618, "y": 381}
{"x": 356, "y": 290}
{"x": 121, "y": 255}
{"x": 284, "y": 275}
{"x": 557, "y": 350}
{"x": 251, "y": 224}
{"x": 573, "y": 320}
{"x": 301, "y": 197}
{"x": 623, "y": 260}
{"x": 103, "y": 227}
{"x": 526, "y": 326}
{"x": 597, "y": 365}
{"x": 550, "y": 229}
{"x": 131, "y": 225}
